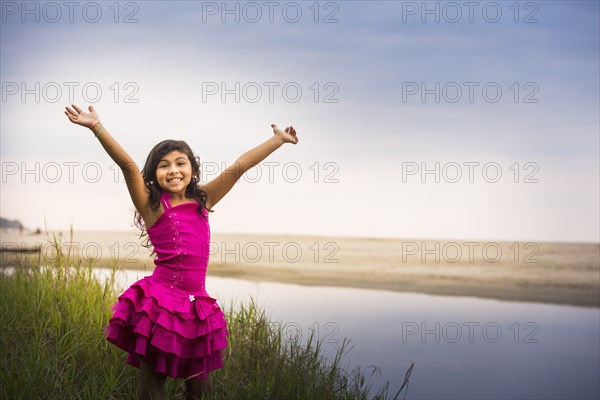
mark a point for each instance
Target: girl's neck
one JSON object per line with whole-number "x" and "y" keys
{"x": 178, "y": 198}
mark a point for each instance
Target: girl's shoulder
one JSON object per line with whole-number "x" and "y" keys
{"x": 152, "y": 218}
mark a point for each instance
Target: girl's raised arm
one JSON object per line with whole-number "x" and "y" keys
{"x": 133, "y": 177}
{"x": 222, "y": 184}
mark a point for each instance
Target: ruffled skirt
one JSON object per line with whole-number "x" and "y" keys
{"x": 182, "y": 336}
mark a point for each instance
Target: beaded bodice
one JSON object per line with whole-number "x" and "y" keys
{"x": 181, "y": 240}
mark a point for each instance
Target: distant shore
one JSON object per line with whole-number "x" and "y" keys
{"x": 545, "y": 272}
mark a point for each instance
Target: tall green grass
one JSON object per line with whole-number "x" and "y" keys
{"x": 53, "y": 347}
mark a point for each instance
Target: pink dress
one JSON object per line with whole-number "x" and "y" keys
{"x": 168, "y": 318}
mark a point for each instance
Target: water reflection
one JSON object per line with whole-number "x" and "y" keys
{"x": 463, "y": 348}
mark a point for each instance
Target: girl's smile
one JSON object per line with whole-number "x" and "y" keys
{"x": 174, "y": 172}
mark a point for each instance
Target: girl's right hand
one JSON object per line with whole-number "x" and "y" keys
{"x": 82, "y": 118}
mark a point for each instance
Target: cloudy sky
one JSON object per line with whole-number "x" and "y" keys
{"x": 415, "y": 119}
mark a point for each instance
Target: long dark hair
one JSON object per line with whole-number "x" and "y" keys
{"x": 193, "y": 190}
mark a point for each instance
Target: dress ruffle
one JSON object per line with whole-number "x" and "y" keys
{"x": 182, "y": 336}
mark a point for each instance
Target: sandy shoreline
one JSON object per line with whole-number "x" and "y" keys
{"x": 555, "y": 273}
{"x": 491, "y": 289}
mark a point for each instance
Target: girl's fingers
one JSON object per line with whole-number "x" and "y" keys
{"x": 76, "y": 108}
{"x": 91, "y": 108}
{"x": 71, "y": 112}
{"x": 290, "y": 130}
{"x": 71, "y": 118}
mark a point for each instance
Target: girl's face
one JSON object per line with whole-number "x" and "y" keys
{"x": 174, "y": 172}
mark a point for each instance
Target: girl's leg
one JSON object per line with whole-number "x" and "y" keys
{"x": 151, "y": 383}
{"x": 196, "y": 389}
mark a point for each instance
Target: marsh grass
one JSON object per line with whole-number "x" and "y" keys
{"x": 52, "y": 318}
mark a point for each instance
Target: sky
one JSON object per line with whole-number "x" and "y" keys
{"x": 437, "y": 120}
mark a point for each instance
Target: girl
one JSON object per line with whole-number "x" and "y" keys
{"x": 167, "y": 322}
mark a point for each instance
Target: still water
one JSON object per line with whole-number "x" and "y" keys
{"x": 462, "y": 347}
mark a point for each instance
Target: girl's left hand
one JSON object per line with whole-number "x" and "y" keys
{"x": 288, "y": 135}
